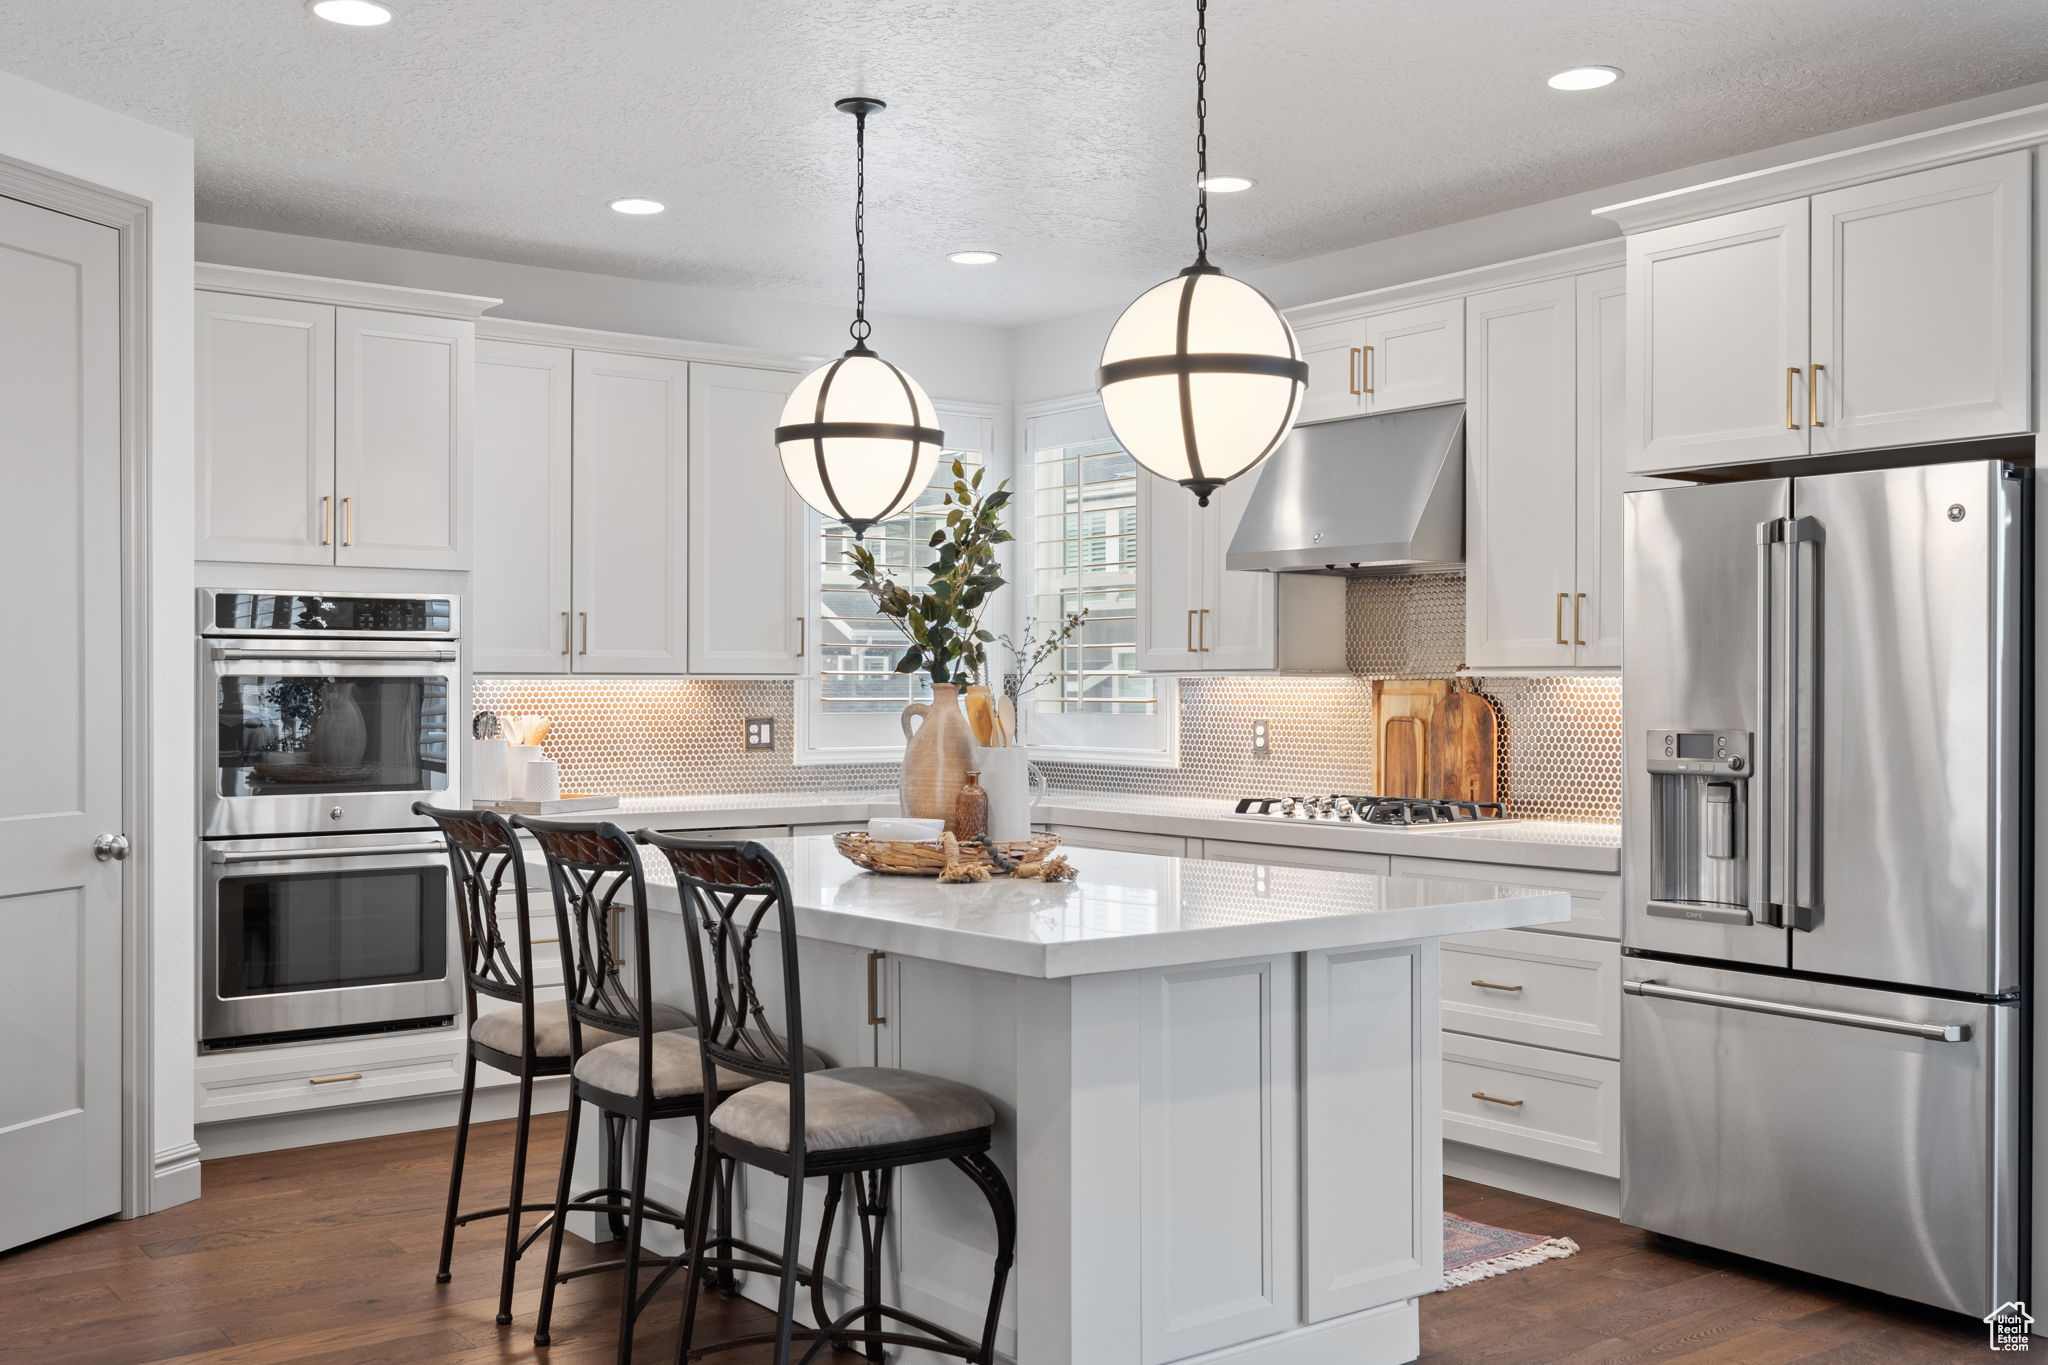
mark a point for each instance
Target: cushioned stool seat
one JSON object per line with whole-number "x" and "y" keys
{"x": 855, "y": 1106}
{"x": 499, "y": 1029}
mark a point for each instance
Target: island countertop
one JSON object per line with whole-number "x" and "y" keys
{"x": 1128, "y": 911}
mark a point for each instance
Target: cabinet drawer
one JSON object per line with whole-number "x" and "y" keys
{"x": 1281, "y": 855}
{"x": 292, "y": 1079}
{"x": 1549, "y": 1106}
{"x": 1596, "y": 896}
{"x": 1121, "y": 840}
{"x": 1549, "y": 990}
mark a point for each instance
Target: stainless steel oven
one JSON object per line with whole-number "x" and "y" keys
{"x": 326, "y": 935}
{"x": 325, "y": 711}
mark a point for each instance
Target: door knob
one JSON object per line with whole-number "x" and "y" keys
{"x": 110, "y": 848}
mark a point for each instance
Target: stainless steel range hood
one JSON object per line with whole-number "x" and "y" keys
{"x": 1379, "y": 494}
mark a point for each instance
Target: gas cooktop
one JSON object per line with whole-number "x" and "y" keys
{"x": 1373, "y": 810}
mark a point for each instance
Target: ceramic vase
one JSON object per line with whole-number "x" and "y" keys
{"x": 1006, "y": 776}
{"x": 937, "y": 754}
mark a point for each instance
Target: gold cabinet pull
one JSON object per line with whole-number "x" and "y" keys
{"x": 1814, "y": 372}
{"x": 875, "y": 1015}
{"x": 586, "y": 632}
{"x": 1351, "y": 373}
{"x": 326, "y": 518}
{"x": 1202, "y": 632}
{"x": 1367, "y": 351}
{"x": 1578, "y": 608}
{"x": 568, "y": 635}
{"x": 803, "y": 635}
{"x": 335, "y": 1080}
{"x": 1490, "y": 1099}
{"x": 1493, "y": 985}
{"x": 348, "y": 522}
{"x": 1191, "y": 630}
{"x": 1791, "y": 373}
{"x": 1560, "y": 618}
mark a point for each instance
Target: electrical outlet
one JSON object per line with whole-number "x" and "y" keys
{"x": 1259, "y": 746}
{"x": 760, "y": 732}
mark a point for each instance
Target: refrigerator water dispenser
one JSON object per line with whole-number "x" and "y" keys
{"x": 1699, "y": 793}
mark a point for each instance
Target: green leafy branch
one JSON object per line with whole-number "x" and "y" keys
{"x": 942, "y": 623}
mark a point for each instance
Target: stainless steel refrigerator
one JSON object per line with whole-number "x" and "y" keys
{"x": 1827, "y": 874}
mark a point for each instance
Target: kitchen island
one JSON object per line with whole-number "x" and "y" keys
{"x": 1216, "y": 1088}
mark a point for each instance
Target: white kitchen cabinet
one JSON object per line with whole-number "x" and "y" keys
{"x": 1603, "y": 475}
{"x": 403, "y": 397}
{"x": 1378, "y": 362}
{"x": 1286, "y": 855}
{"x": 748, "y": 576}
{"x": 1922, "y": 306}
{"x": 1121, "y": 840}
{"x": 1194, "y": 615}
{"x": 329, "y": 1075}
{"x": 1521, "y": 495}
{"x": 519, "y": 617}
{"x": 1546, "y": 990}
{"x": 629, "y": 584}
{"x": 265, "y": 371}
{"x": 1562, "y": 1108}
{"x": 1596, "y": 896}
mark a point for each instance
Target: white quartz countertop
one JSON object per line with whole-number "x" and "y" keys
{"x": 1518, "y": 843}
{"x": 1128, "y": 911}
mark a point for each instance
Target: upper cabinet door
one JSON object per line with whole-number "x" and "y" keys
{"x": 748, "y": 575}
{"x": 1173, "y": 576}
{"x": 1922, "y": 297}
{"x": 1521, "y": 505}
{"x": 1236, "y": 628}
{"x": 632, "y": 502}
{"x": 1603, "y": 464}
{"x": 403, "y": 396}
{"x": 1717, "y": 320}
{"x": 265, "y": 430}
{"x": 1414, "y": 356}
{"x": 519, "y": 611}
{"x": 1335, "y": 352}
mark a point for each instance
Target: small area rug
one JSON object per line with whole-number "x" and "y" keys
{"x": 1476, "y": 1251}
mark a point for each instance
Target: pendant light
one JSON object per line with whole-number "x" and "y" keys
{"x": 859, "y": 437}
{"x": 1201, "y": 376}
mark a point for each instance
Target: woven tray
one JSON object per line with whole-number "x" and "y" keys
{"x": 906, "y": 858}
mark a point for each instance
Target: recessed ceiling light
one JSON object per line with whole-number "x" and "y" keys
{"x": 638, "y": 206}
{"x": 1227, "y": 184}
{"x": 975, "y": 257}
{"x": 1585, "y": 78}
{"x": 354, "y": 13}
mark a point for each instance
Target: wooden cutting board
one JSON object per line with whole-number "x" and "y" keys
{"x": 1464, "y": 748}
{"x": 1404, "y": 745}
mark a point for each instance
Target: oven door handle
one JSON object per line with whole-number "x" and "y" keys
{"x": 294, "y": 855}
{"x": 424, "y": 656}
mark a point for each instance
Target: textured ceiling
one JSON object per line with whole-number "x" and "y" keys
{"x": 1055, "y": 131}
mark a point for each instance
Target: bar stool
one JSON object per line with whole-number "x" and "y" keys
{"x": 628, "y": 1064}
{"x": 863, "y": 1122}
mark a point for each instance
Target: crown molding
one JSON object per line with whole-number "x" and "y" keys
{"x": 389, "y": 298}
{"x": 629, "y": 343}
{"x": 2007, "y": 132}
{"x": 1572, "y": 260}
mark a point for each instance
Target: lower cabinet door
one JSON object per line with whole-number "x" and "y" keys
{"x": 278, "y": 1080}
{"x": 1547, "y": 990}
{"x": 1283, "y": 855}
{"x": 1596, "y": 896}
{"x": 1546, "y": 1105}
{"x": 1121, "y": 840}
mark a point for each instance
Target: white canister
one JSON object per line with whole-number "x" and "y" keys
{"x": 543, "y": 779}
{"x": 1006, "y": 777}
{"x": 488, "y": 776}
{"x": 518, "y": 757}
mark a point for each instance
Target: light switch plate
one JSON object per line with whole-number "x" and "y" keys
{"x": 760, "y": 732}
{"x": 1259, "y": 747}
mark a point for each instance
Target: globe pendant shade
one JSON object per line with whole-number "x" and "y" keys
{"x": 859, "y": 439}
{"x": 1201, "y": 377}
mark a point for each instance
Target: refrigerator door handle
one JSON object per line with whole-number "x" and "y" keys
{"x": 1802, "y": 817}
{"x": 1768, "y": 534}
{"x": 1933, "y": 1033}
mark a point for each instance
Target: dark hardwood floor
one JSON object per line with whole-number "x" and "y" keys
{"x": 325, "y": 1256}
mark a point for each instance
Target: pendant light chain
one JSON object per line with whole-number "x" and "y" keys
{"x": 1201, "y": 132}
{"x": 860, "y": 328}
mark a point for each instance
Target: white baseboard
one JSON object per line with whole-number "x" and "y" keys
{"x": 275, "y": 1132}
{"x": 1537, "y": 1179}
{"x": 173, "y": 1177}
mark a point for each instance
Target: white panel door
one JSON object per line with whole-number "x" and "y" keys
{"x": 748, "y": 579}
{"x": 402, "y": 405}
{"x": 265, "y": 371}
{"x": 1218, "y": 1132}
{"x": 1414, "y": 356}
{"x": 632, "y": 480}
{"x": 1335, "y": 352}
{"x": 1922, "y": 307}
{"x": 1173, "y": 578}
{"x": 1237, "y": 629}
{"x": 60, "y": 548}
{"x": 1717, "y": 340}
{"x": 519, "y": 612}
{"x": 1602, "y": 465}
{"x": 1521, "y": 454}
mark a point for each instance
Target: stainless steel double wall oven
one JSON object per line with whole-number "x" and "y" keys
{"x": 327, "y": 908}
